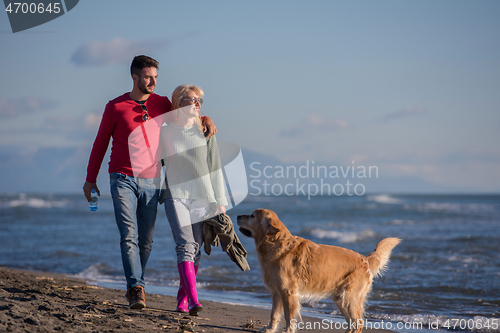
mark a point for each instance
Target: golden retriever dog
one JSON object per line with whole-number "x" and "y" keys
{"x": 294, "y": 268}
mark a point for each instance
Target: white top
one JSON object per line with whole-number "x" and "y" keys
{"x": 192, "y": 163}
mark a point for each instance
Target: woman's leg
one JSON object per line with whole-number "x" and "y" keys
{"x": 187, "y": 273}
{"x": 187, "y": 247}
{"x": 178, "y": 215}
{"x": 198, "y": 210}
{"x": 182, "y": 297}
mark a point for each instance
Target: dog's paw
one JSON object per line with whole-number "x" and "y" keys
{"x": 267, "y": 330}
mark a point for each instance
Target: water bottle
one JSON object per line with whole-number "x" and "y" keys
{"x": 93, "y": 200}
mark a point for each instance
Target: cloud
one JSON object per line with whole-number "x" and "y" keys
{"x": 438, "y": 156}
{"x": 44, "y": 169}
{"x": 465, "y": 170}
{"x": 473, "y": 156}
{"x": 72, "y": 124}
{"x": 19, "y": 106}
{"x": 92, "y": 121}
{"x": 409, "y": 111}
{"x": 312, "y": 124}
{"x": 113, "y": 52}
{"x": 60, "y": 123}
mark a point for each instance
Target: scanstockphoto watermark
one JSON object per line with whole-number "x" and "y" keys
{"x": 26, "y": 14}
{"x": 327, "y": 324}
{"x": 309, "y": 179}
{"x": 476, "y": 324}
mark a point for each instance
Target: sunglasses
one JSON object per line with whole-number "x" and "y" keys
{"x": 145, "y": 115}
{"x": 194, "y": 100}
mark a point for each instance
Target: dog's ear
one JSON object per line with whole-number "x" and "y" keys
{"x": 270, "y": 225}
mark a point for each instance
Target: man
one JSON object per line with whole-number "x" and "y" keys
{"x": 135, "y": 196}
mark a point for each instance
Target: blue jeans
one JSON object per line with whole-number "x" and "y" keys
{"x": 135, "y": 201}
{"x": 185, "y": 216}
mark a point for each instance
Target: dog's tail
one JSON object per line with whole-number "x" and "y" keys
{"x": 379, "y": 259}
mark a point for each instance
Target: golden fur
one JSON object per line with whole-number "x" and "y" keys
{"x": 294, "y": 268}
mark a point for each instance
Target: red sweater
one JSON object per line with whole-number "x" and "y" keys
{"x": 121, "y": 117}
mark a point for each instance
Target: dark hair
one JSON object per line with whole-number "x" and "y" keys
{"x": 140, "y": 62}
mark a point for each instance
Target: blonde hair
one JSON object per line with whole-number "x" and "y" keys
{"x": 180, "y": 93}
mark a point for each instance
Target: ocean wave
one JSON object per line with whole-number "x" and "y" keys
{"x": 343, "y": 237}
{"x": 101, "y": 272}
{"x": 400, "y": 222}
{"x": 32, "y": 202}
{"x": 464, "y": 259}
{"x": 215, "y": 271}
{"x": 66, "y": 254}
{"x": 384, "y": 199}
{"x": 457, "y": 208}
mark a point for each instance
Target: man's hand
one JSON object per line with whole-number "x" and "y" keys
{"x": 88, "y": 187}
{"x": 209, "y": 124}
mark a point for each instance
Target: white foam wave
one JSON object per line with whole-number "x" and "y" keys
{"x": 384, "y": 199}
{"x": 32, "y": 202}
{"x": 463, "y": 259}
{"x": 458, "y": 207}
{"x": 343, "y": 237}
{"x": 400, "y": 222}
{"x": 101, "y": 272}
{"x": 176, "y": 283}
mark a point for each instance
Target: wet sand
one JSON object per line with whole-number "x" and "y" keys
{"x": 49, "y": 302}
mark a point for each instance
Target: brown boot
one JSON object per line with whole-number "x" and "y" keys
{"x": 136, "y": 297}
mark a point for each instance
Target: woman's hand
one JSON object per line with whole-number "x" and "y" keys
{"x": 220, "y": 210}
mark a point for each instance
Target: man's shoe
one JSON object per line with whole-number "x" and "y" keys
{"x": 128, "y": 296}
{"x": 136, "y": 297}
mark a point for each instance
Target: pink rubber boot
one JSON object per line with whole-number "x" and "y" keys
{"x": 188, "y": 279}
{"x": 182, "y": 298}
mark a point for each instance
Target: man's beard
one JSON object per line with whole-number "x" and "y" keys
{"x": 144, "y": 89}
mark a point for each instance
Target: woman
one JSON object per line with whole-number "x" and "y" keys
{"x": 194, "y": 187}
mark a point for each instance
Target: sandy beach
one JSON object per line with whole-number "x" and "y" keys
{"x": 47, "y": 302}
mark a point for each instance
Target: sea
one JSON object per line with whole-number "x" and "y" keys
{"x": 443, "y": 276}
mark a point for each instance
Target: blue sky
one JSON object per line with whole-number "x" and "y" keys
{"x": 408, "y": 86}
